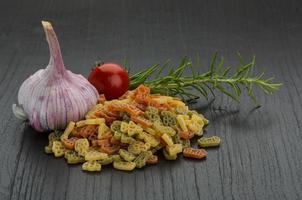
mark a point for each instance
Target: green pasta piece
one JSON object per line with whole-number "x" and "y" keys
{"x": 124, "y": 127}
{"x": 191, "y": 112}
{"x": 127, "y": 156}
{"x": 127, "y": 139}
{"x": 58, "y": 149}
{"x": 205, "y": 121}
{"x": 92, "y": 166}
{"x": 137, "y": 147}
{"x": 168, "y": 156}
{"x": 116, "y": 157}
{"x": 48, "y": 149}
{"x": 72, "y": 157}
{"x": 158, "y": 147}
{"x": 116, "y": 126}
{"x": 142, "y": 158}
{"x": 213, "y": 141}
{"x": 106, "y": 161}
{"x": 168, "y": 130}
{"x": 54, "y": 136}
{"x": 176, "y": 139}
{"x": 134, "y": 129}
{"x": 81, "y": 146}
{"x": 92, "y": 155}
{"x": 147, "y": 138}
{"x": 153, "y": 117}
{"x": 153, "y": 150}
{"x": 168, "y": 118}
{"x": 117, "y": 135}
{"x": 185, "y": 143}
{"x": 125, "y": 166}
{"x": 152, "y": 109}
{"x": 125, "y": 117}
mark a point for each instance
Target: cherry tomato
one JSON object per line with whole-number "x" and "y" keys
{"x": 110, "y": 79}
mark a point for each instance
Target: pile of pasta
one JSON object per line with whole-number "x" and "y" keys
{"x": 130, "y": 131}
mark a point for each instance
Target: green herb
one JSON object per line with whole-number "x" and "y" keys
{"x": 175, "y": 83}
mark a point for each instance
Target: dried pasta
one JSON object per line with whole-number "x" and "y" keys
{"x": 129, "y": 132}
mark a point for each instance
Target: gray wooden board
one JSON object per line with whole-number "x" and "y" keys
{"x": 260, "y": 155}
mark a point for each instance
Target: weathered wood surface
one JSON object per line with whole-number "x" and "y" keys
{"x": 260, "y": 156}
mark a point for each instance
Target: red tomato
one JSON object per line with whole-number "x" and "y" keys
{"x": 110, "y": 79}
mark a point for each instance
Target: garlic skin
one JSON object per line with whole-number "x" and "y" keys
{"x": 54, "y": 96}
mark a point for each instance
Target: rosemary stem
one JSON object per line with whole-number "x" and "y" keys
{"x": 218, "y": 76}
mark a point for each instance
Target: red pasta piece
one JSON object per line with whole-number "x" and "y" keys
{"x": 142, "y": 121}
{"x": 194, "y": 153}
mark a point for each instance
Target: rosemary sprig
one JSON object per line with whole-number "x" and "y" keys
{"x": 217, "y": 77}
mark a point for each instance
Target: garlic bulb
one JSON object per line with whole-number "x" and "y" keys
{"x": 53, "y": 96}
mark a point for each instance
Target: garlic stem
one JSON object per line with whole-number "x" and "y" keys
{"x": 56, "y": 61}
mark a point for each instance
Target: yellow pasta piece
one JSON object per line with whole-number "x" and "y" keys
{"x": 125, "y": 166}
{"x": 134, "y": 129}
{"x": 150, "y": 131}
{"x": 182, "y": 109}
{"x": 137, "y": 147}
{"x": 162, "y": 99}
{"x": 126, "y": 155}
{"x": 92, "y": 166}
{"x": 175, "y": 102}
{"x": 149, "y": 139}
{"x": 197, "y": 119}
{"x": 81, "y": 123}
{"x": 68, "y": 130}
{"x": 124, "y": 127}
{"x": 174, "y": 149}
{"x": 58, "y": 149}
{"x": 81, "y": 146}
{"x": 188, "y": 121}
{"x": 96, "y": 121}
{"x": 167, "y": 139}
{"x": 102, "y": 130}
{"x": 194, "y": 127}
{"x": 90, "y": 113}
{"x": 186, "y": 117}
{"x": 157, "y": 126}
{"x": 168, "y": 156}
{"x": 147, "y": 146}
{"x": 205, "y": 121}
{"x": 92, "y": 155}
{"x": 181, "y": 122}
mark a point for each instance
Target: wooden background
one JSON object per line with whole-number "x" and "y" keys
{"x": 260, "y": 155}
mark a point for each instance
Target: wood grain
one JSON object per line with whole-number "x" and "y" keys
{"x": 260, "y": 156}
